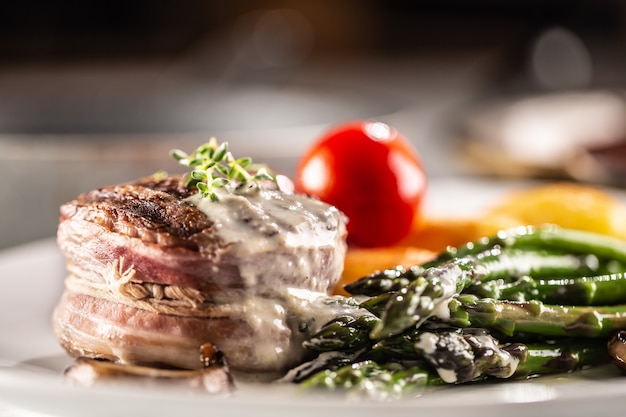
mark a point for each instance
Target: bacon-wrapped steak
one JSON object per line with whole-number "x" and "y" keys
{"x": 156, "y": 271}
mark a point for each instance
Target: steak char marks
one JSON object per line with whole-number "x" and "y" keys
{"x": 155, "y": 271}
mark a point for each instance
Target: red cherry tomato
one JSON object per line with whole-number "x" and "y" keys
{"x": 371, "y": 173}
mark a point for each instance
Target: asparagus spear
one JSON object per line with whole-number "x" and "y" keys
{"x": 535, "y": 317}
{"x": 568, "y": 240}
{"x": 473, "y": 354}
{"x": 344, "y": 333}
{"x": 546, "y": 237}
{"x": 567, "y": 243}
{"x": 393, "y": 279}
{"x": 324, "y": 362}
{"x": 524, "y": 254}
{"x": 537, "y": 359}
{"x": 509, "y": 318}
{"x": 607, "y": 288}
{"x": 380, "y": 381}
{"x": 603, "y": 289}
{"x": 436, "y": 286}
{"x": 454, "y": 357}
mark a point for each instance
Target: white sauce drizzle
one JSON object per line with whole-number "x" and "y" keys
{"x": 509, "y": 362}
{"x": 447, "y": 375}
{"x": 260, "y": 214}
{"x": 276, "y": 238}
{"x": 448, "y": 277}
{"x": 427, "y": 343}
{"x": 255, "y": 221}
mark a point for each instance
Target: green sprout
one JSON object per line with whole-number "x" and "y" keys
{"x": 213, "y": 166}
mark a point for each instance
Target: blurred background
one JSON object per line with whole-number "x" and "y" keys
{"x": 97, "y": 92}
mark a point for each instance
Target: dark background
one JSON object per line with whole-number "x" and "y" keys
{"x": 160, "y": 34}
{"x": 97, "y": 92}
{"x": 36, "y": 29}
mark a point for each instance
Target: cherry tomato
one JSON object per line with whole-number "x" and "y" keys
{"x": 370, "y": 172}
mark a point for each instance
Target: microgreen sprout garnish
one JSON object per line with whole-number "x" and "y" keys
{"x": 213, "y": 166}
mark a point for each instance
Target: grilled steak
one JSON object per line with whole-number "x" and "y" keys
{"x": 156, "y": 271}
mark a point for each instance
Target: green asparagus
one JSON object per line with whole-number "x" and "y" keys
{"x": 390, "y": 380}
{"x": 535, "y": 317}
{"x": 553, "y": 297}
{"x": 537, "y": 359}
{"x": 474, "y": 354}
{"x": 453, "y": 357}
{"x": 606, "y": 289}
{"x": 344, "y": 333}
{"x": 421, "y": 298}
{"x": 573, "y": 249}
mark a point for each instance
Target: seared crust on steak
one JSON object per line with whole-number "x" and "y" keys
{"x": 151, "y": 209}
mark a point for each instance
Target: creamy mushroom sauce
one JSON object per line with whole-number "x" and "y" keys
{"x": 254, "y": 221}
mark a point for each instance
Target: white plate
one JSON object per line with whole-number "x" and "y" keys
{"x": 32, "y": 363}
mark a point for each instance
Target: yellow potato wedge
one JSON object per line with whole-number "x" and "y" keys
{"x": 567, "y": 204}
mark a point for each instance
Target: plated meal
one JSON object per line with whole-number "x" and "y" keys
{"x": 335, "y": 279}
